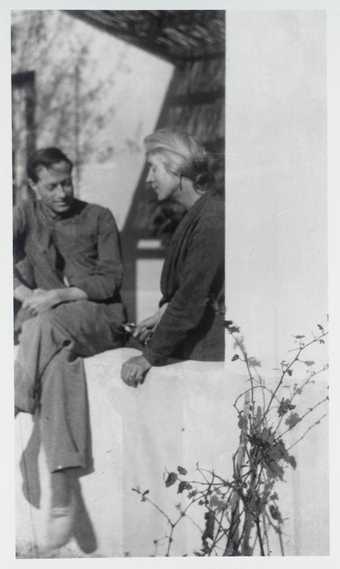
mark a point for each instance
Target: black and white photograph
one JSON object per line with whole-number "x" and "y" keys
{"x": 170, "y": 316}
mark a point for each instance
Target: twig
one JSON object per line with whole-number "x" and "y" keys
{"x": 262, "y": 387}
{"x": 290, "y": 365}
{"x": 277, "y": 530}
{"x": 307, "y": 431}
{"x": 147, "y": 499}
{"x": 300, "y": 389}
{"x": 241, "y": 508}
{"x": 308, "y": 412}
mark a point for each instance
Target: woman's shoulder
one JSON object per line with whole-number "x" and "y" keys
{"x": 215, "y": 200}
{"x": 213, "y": 209}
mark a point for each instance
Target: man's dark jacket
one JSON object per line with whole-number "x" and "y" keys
{"x": 79, "y": 248}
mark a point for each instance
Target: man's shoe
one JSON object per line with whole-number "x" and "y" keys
{"x": 60, "y": 525}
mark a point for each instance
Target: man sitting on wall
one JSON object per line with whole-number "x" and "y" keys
{"x": 68, "y": 284}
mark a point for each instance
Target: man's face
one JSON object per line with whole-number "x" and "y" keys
{"x": 54, "y": 187}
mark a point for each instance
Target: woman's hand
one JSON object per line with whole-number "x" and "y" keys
{"x": 134, "y": 370}
{"x": 146, "y": 327}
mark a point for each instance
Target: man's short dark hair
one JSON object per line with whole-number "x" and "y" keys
{"x": 46, "y": 157}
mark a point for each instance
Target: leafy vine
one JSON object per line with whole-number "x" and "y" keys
{"x": 241, "y": 513}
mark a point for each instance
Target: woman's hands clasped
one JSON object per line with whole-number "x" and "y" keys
{"x": 146, "y": 327}
{"x": 134, "y": 370}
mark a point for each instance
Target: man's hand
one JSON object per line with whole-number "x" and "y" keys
{"x": 41, "y": 300}
{"x": 22, "y": 292}
{"x": 134, "y": 370}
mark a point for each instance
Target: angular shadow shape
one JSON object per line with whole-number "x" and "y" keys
{"x": 83, "y": 529}
{"x": 29, "y": 466}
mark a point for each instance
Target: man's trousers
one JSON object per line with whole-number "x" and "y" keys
{"x": 50, "y": 375}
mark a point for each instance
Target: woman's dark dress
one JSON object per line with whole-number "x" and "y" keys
{"x": 192, "y": 282}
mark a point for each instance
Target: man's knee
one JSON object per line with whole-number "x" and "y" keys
{"x": 46, "y": 319}
{"x": 48, "y": 324}
{"x": 64, "y": 315}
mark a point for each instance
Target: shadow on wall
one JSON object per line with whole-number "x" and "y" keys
{"x": 76, "y": 98}
{"x": 130, "y": 450}
{"x": 194, "y": 103}
{"x": 138, "y": 437}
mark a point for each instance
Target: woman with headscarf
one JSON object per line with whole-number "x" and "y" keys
{"x": 189, "y": 324}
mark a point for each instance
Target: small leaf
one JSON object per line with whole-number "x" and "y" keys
{"x": 292, "y": 461}
{"x": 214, "y": 501}
{"x": 299, "y": 336}
{"x": 274, "y": 470}
{"x": 320, "y": 327}
{"x": 309, "y": 363}
{"x": 217, "y": 503}
{"x": 290, "y": 372}
{"x": 144, "y": 494}
{"x": 182, "y": 470}
{"x": 234, "y": 329}
{"x": 183, "y": 485}
{"x": 242, "y": 421}
{"x": 235, "y": 357}
{"x": 171, "y": 479}
{"x": 209, "y": 526}
{"x": 292, "y": 420}
{"x": 258, "y": 413}
{"x": 253, "y": 362}
{"x": 275, "y": 513}
{"x": 284, "y": 407}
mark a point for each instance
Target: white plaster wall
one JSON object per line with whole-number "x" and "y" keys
{"x": 276, "y": 177}
{"x": 277, "y": 217}
{"x": 182, "y": 415}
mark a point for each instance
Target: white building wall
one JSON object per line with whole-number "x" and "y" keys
{"x": 276, "y": 177}
{"x": 277, "y": 218}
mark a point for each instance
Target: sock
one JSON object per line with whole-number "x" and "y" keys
{"x": 60, "y": 488}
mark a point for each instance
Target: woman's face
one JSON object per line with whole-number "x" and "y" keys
{"x": 163, "y": 182}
